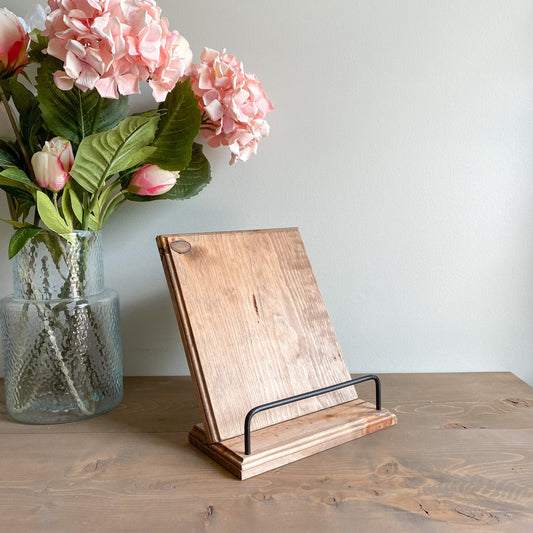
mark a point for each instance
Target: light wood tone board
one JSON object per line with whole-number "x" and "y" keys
{"x": 295, "y": 439}
{"x": 460, "y": 461}
{"x": 254, "y": 326}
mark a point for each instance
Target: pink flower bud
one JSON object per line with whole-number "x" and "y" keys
{"x": 53, "y": 163}
{"x": 13, "y": 44}
{"x": 151, "y": 180}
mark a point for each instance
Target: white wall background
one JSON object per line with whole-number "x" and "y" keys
{"x": 401, "y": 146}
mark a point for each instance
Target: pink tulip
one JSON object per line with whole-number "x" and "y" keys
{"x": 151, "y": 180}
{"x": 53, "y": 163}
{"x": 13, "y": 44}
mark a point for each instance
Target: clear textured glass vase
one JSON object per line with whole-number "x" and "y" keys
{"x": 61, "y": 332}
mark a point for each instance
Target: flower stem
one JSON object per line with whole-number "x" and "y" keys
{"x": 47, "y": 315}
{"x": 16, "y": 129}
{"x": 36, "y": 217}
{"x": 12, "y": 208}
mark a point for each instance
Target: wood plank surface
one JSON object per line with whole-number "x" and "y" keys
{"x": 294, "y": 439}
{"x": 254, "y": 326}
{"x": 459, "y": 460}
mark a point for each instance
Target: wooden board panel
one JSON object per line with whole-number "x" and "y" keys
{"x": 254, "y": 326}
{"x": 289, "y": 441}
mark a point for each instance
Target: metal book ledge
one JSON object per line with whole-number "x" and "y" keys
{"x": 304, "y": 396}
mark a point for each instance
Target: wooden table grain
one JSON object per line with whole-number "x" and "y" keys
{"x": 460, "y": 459}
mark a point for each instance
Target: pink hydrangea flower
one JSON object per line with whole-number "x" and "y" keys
{"x": 113, "y": 45}
{"x": 234, "y": 103}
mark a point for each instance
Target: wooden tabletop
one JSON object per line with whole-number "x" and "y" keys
{"x": 460, "y": 459}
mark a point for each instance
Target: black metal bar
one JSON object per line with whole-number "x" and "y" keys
{"x": 304, "y": 396}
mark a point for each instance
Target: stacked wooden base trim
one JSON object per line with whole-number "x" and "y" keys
{"x": 286, "y": 442}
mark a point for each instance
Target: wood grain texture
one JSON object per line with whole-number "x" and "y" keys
{"x": 460, "y": 460}
{"x": 254, "y": 326}
{"x": 294, "y": 439}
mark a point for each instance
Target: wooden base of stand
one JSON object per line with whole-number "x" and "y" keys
{"x": 288, "y": 441}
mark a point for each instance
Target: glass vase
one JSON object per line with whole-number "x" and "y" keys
{"x": 61, "y": 332}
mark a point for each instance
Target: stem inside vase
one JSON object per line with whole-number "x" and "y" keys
{"x": 61, "y": 332}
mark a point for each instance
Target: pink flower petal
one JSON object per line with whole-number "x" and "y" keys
{"x": 62, "y": 81}
{"x": 121, "y": 41}
{"x": 128, "y": 84}
{"x": 107, "y": 88}
{"x": 215, "y": 110}
{"x": 234, "y": 101}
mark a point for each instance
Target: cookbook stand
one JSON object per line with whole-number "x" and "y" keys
{"x": 270, "y": 378}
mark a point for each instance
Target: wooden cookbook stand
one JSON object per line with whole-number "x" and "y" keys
{"x": 271, "y": 381}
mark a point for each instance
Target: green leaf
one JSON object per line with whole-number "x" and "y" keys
{"x": 5, "y": 87}
{"x": 9, "y": 156}
{"x": 37, "y": 44}
{"x": 49, "y": 214}
{"x": 111, "y": 208}
{"x": 20, "y": 238}
{"x": 76, "y": 205}
{"x": 32, "y": 127}
{"x": 194, "y": 178}
{"x": 112, "y": 112}
{"x": 14, "y": 176}
{"x": 23, "y": 98}
{"x": 66, "y": 210}
{"x": 22, "y": 209}
{"x": 108, "y": 192}
{"x": 104, "y": 154}
{"x": 75, "y": 114}
{"x": 178, "y": 127}
{"x": 191, "y": 181}
{"x": 19, "y": 193}
{"x": 16, "y": 223}
{"x": 93, "y": 224}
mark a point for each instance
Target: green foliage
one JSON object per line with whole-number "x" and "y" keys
{"x": 75, "y": 204}
{"x": 20, "y": 238}
{"x": 4, "y": 84}
{"x": 15, "y": 183}
{"x": 16, "y": 177}
{"x": 16, "y": 224}
{"x": 50, "y": 215}
{"x": 103, "y": 154}
{"x": 73, "y": 114}
{"x": 9, "y": 154}
{"x": 191, "y": 181}
{"x": 32, "y": 126}
{"x": 66, "y": 211}
{"x": 178, "y": 127}
{"x": 109, "y": 146}
{"x": 33, "y": 129}
{"x": 18, "y": 193}
{"x": 37, "y": 44}
{"x": 194, "y": 178}
{"x": 22, "y": 97}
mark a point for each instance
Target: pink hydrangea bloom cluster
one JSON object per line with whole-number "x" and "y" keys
{"x": 112, "y": 45}
{"x": 234, "y": 101}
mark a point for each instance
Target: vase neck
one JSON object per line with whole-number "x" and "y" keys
{"x": 50, "y": 267}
